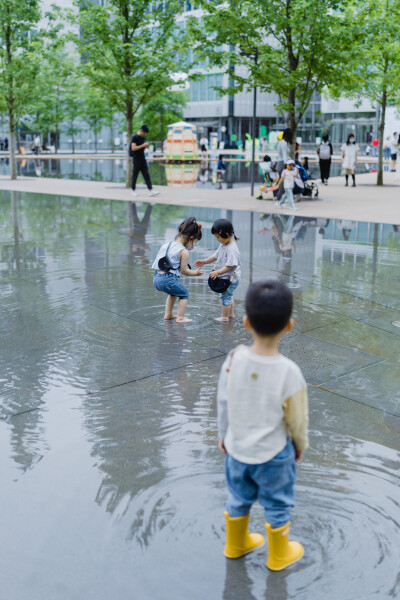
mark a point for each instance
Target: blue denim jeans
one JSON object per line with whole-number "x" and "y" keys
{"x": 170, "y": 284}
{"x": 271, "y": 483}
{"x": 288, "y": 195}
{"x": 226, "y": 296}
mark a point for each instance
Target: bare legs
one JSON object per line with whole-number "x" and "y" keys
{"x": 182, "y": 304}
{"x": 169, "y": 305}
{"x": 228, "y": 312}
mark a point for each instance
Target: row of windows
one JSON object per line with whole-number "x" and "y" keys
{"x": 202, "y": 91}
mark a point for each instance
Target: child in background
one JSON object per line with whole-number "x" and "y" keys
{"x": 271, "y": 178}
{"x": 288, "y": 176}
{"x": 189, "y": 232}
{"x": 262, "y": 421}
{"x": 228, "y": 258}
{"x": 221, "y": 168}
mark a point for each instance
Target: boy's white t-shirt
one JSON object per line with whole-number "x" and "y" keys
{"x": 261, "y": 400}
{"x": 228, "y": 255}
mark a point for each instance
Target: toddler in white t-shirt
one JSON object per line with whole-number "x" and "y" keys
{"x": 262, "y": 421}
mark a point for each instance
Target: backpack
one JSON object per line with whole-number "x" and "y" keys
{"x": 325, "y": 151}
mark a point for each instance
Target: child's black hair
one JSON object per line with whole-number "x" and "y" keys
{"x": 220, "y": 157}
{"x": 224, "y": 228}
{"x": 190, "y": 228}
{"x": 269, "y": 306}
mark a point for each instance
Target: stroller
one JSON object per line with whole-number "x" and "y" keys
{"x": 304, "y": 186}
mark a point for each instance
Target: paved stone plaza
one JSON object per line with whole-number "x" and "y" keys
{"x": 112, "y": 482}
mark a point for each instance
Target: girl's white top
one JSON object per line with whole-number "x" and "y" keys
{"x": 350, "y": 151}
{"x": 228, "y": 255}
{"x": 173, "y": 255}
{"x": 261, "y": 401}
{"x": 289, "y": 176}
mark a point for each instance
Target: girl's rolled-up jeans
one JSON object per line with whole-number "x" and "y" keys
{"x": 271, "y": 483}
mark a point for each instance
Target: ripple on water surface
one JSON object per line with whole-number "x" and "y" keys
{"x": 347, "y": 517}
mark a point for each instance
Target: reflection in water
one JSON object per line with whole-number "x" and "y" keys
{"x": 204, "y": 174}
{"x": 86, "y": 357}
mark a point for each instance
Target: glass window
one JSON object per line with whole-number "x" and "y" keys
{"x": 203, "y": 90}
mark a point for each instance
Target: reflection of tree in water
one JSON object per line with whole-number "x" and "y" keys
{"x": 27, "y": 349}
{"x": 152, "y": 434}
{"x": 37, "y": 230}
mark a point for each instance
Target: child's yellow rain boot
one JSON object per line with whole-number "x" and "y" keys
{"x": 238, "y": 540}
{"x": 281, "y": 552}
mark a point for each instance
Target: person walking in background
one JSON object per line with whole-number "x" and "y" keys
{"x": 349, "y": 158}
{"x": 221, "y": 170}
{"x": 287, "y": 179}
{"x": 204, "y": 147}
{"x": 393, "y": 151}
{"x": 325, "y": 152}
{"x": 386, "y": 149}
{"x": 283, "y": 149}
{"x": 138, "y": 144}
{"x": 37, "y": 144}
{"x": 375, "y": 146}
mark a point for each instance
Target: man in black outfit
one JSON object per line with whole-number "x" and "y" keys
{"x": 138, "y": 144}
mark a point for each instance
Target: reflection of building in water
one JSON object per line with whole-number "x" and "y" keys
{"x": 356, "y": 247}
{"x": 182, "y": 175}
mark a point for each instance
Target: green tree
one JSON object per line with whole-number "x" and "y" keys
{"x": 96, "y": 111}
{"x": 73, "y": 106}
{"x": 49, "y": 102}
{"x": 20, "y": 53}
{"x": 131, "y": 49}
{"x": 161, "y": 111}
{"x": 291, "y": 47}
{"x": 378, "y": 73}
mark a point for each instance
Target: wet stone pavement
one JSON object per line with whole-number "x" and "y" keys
{"x": 112, "y": 483}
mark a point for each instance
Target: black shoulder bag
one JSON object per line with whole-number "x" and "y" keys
{"x": 164, "y": 264}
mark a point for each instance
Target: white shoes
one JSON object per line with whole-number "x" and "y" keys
{"x": 153, "y": 193}
{"x": 134, "y": 194}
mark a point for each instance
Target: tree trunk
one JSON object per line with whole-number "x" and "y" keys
{"x": 292, "y": 123}
{"x": 57, "y": 139}
{"x": 18, "y": 148}
{"x": 13, "y": 165}
{"x": 95, "y": 142}
{"x": 112, "y": 136}
{"x": 383, "y": 102}
{"x": 129, "y": 128}
{"x": 73, "y": 143}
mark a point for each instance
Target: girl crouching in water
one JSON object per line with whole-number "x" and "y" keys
{"x": 168, "y": 281}
{"x": 228, "y": 257}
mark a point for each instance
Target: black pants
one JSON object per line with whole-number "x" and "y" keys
{"x": 141, "y": 167}
{"x": 325, "y": 168}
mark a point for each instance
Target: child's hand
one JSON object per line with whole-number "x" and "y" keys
{"x": 221, "y": 446}
{"x": 214, "y": 274}
{"x": 197, "y": 273}
{"x": 199, "y": 263}
{"x": 299, "y": 455}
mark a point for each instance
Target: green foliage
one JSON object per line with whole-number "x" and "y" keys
{"x": 161, "y": 111}
{"x": 49, "y": 106}
{"x": 292, "y": 48}
{"x": 132, "y": 50}
{"x": 19, "y": 60}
